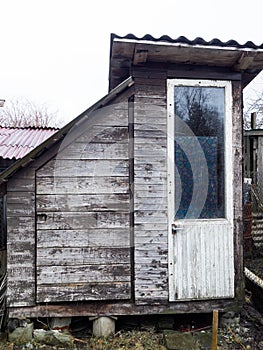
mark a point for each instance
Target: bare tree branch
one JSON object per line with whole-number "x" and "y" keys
{"x": 24, "y": 113}
{"x": 253, "y": 104}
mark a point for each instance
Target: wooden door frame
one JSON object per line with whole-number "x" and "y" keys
{"x": 228, "y": 159}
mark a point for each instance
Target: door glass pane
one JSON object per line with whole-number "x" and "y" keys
{"x": 199, "y": 152}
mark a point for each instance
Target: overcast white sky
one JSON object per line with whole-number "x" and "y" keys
{"x": 57, "y": 51}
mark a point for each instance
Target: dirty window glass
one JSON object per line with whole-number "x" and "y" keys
{"x": 199, "y": 152}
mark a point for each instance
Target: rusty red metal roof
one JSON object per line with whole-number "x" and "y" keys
{"x": 15, "y": 143}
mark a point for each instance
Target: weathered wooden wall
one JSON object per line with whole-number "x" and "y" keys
{"x": 150, "y": 175}
{"x": 21, "y": 252}
{"x": 98, "y": 195}
{"x": 68, "y": 217}
{"x": 85, "y": 211}
{"x": 150, "y": 188}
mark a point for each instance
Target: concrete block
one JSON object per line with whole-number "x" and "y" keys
{"x": 60, "y": 323}
{"x": 103, "y": 326}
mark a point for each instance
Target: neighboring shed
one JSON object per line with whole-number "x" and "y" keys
{"x": 136, "y": 205}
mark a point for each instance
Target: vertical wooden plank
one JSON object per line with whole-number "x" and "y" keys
{"x": 237, "y": 152}
{"x": 150, "y": 201}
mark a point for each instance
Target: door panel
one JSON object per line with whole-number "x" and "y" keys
{"x": 201, "y": 261}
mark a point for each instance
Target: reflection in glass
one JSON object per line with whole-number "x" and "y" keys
{"x": 199, "y": 152}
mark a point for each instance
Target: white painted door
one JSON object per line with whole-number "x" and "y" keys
{"x": 201, "y": 261}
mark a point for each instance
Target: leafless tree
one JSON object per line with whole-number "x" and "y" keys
{"x": 251, "y": 105}
{"x": 21, "y": 112}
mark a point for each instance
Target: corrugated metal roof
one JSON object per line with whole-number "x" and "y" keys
{"x": 130, "y": 51}
{"x": 196, "y": 41}
{"x": 15, "y": 143}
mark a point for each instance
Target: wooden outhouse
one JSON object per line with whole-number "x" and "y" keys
{"x": 135, "y": 206}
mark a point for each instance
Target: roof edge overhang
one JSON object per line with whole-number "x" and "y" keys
{"x": 129, "y": 51}
{"x": 59, "y": 135}
{"x": 178, "y": 44}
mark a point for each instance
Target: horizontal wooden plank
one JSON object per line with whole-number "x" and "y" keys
{"x": 149, "y": 171}
{"x": 73, "y": 168}
{"x": 19, "y": 226}
{"x": 155, "y": 142}
{"x": 104, "y": 134}
{"x": 18, "y": 236}
{"x": 82, "y": 185}
{"x": 150, "y": 110}
{"x": 20, "y": 252}
{"x": 82, "y": 238}
{"x": 20, "y": 293}
{"x": 151, "y": 83}
{"x": 151, "y": 133}
{"x": 156, "y": 100}
{"x": 82, "y": 202}
{"x": 146, "y": 153}
{"x": 20, "y": 203}
{"x": 114, "y": 114}
{"x": 82, "y": 256}
{"x": 159, "y": 204}
{"x": 150, "y": 163}
{"x": 83, "y": 291}
{"x": 146, "y": 307}
{"x": 146, "y": 72}
{"x": 24, "y": 173}
{"x": 83, "y": 273}
{"x": 18, "y": 184}
{"x": 16, "y": 197}
{"x": 84, "y": 220}
{"x": 202, "y": 72}
{"x": 21, "y": 273}
{"x": 158, "y": 189}
{"x": 150, "y": 180}
{"x": 147, "y": 226}
{"x": 89, "y": 150}
{"x": 99, "y": 127}
{"x": 157, "y": 216}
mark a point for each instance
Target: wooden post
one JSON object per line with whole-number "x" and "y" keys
{"x": 253, "y": 120}
{"x": 215, "y": 329}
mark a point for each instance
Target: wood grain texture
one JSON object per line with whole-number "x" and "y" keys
{"x": 82, "y": 185}
{"x": 92, "y": 150}
{"x": 82, "y": 202}
{"x": 82, "y": 256}
{"x": 82, "y": 167}
{"x": 150, "y": 190}
{"x": 56, "y": 275}
{"x": 83, "y": 238}
{"x": 121, "y": 308}
{"x": 83, "y": 291}
{"x": 79, "y": 220}
{"x": 237, "y": 152}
